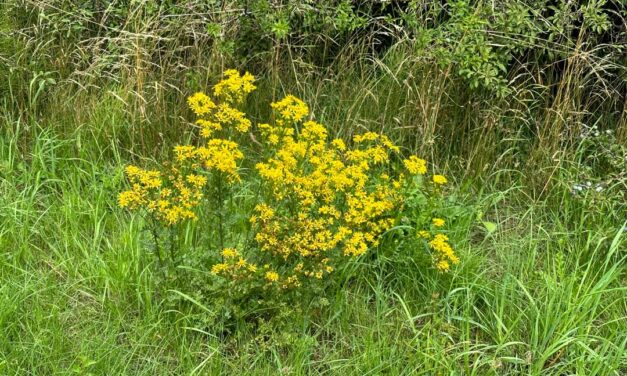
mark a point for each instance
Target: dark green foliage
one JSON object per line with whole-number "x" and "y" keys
{"x": 485, "y": 42}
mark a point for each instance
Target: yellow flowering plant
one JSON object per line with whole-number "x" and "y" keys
{"x": 318, "y": 204}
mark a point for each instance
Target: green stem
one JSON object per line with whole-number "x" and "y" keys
{"x": 220, "y": 208}
{"x": 155, "y": 238}
{"x": 172, "y": 249}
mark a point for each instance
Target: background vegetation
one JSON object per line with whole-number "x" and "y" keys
{"x": 521, "y": 102}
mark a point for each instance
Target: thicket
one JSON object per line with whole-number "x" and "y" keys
{"x": 516, "y": 84}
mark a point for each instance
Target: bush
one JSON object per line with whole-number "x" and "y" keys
{"x": 597, "y": 181}
{"x": 312, "y": 205}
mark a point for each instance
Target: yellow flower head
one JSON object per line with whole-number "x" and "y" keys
{"x": 234, "y": 88}
{"x": 291, "y": 108}
{"x": 443, "y": 265}
{"x": 272, "y": 276}
{"x": 219, "y": 268}
{"x": 339, "y": 144}
{"x": 438, "y": 222}
{"x": 415, "y": 165}
{"x": 229, "y": 253}
{"x": 439, "y": 179}
{"x": 424, "y": 234}
{"x": 200, "y": 103}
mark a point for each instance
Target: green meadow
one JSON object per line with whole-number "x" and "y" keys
{"x": 519, "y": 104}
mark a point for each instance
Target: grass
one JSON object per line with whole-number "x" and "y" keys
{"x": 543, "y": 294}
{"x": 540, "y": 289}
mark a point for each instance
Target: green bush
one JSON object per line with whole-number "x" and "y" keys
{"x": 317, "y": 206}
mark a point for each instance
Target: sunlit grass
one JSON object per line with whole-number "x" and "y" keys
{"x": 540, "y": 289}
{"x": 542, "y": 294}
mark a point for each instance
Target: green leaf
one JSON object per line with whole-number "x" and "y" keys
{"x": 490, "y": 227}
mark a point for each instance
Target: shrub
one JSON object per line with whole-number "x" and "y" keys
{"x": 597, "y": 180}
{"x": 318, "y": 204}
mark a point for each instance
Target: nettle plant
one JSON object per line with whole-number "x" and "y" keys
{"x": 317, "y": 205}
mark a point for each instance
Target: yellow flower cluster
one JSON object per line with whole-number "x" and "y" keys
{"x": 444, "y": 254}
{"x": 415, "y": 165}
{"x": 323, "y": 197}
{"x": 234, "y": 266}
{"x": 217, "y": 154}
{"x": 320, "y": 200}
{"x": 439, "y": 179}
{"x": 290, "y": 109}
{"x": 214, "y": 117}
{"x": 171, "y": 197}
{"x": 234, "y": 88}
{"x": 201, "y": 104}
{"x": 223, "y": 116}
{"x": 272, "y": 276}
{"x": 424, "y": 234}
{"x": 438, "y": 222}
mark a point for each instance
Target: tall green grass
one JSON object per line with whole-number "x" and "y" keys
{"x": 541, "y": 286}
{"x": 543, "y": 294}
